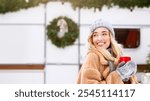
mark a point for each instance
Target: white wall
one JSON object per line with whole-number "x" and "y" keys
{"x": 117, "y": 15}
{"x": 21, "y": 44}
{"x": 23, "y": 40}
{"x": 61, "y": 74}
{"x": 21, "y": 77}
{"x": 33, "y": 15}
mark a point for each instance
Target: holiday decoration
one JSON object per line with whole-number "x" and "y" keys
{"x": 148, "y": 63}
{"x": 62, "y": 32}
{"x": 16, "y": 5}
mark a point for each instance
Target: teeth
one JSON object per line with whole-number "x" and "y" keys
{"x": 100, "y": 44}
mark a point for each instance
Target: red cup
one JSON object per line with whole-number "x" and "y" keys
{"x": 125, "y": 59}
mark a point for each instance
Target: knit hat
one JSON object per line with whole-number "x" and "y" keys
{"x": 101, "y": 23}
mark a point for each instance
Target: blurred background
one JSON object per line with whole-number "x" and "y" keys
{"x": 31, "y": 52}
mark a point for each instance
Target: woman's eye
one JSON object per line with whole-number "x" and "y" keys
{"x": 94, "y": 35}
{"x": 104, "y": 34}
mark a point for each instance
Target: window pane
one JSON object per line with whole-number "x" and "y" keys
{"x": 128, "y": 37}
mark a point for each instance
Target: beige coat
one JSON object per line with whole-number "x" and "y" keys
{"x": 95, "y": 70}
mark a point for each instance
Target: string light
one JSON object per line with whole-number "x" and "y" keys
{"x": 27, "y": 1}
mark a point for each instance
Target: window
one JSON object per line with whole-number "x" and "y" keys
{"x": 128, "y": 37}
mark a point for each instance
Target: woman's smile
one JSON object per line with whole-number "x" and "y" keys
{"x": 100, "y": 44}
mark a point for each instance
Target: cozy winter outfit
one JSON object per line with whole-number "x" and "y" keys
{"x": 101, "y": 66}
{"x": 95, "y": 70}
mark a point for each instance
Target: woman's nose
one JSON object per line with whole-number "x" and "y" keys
{"x": 100, "y": 37}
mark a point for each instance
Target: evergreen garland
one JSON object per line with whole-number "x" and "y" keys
{"x": 129, "y": 4}
{"x": 16, "y": 5}
{"x": 69, "y": 37}
{"x": 148, "y": 63}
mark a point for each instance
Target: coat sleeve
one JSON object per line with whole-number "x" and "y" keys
{"x": 89, "y": 73}
{"x": 114, "y": 78}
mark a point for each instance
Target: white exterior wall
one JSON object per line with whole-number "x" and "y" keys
{"x": 23, "y": 41}
{"x": 21, "y": 77}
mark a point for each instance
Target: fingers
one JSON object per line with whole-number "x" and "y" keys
{"x": 121, "y": 64}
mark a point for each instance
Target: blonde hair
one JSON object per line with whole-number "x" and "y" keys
{"x": 116, "y": 50}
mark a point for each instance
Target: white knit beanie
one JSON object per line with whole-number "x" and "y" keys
{"x": 101, "y": 23}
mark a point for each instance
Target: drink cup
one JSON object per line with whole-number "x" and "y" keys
{"x": 125, "y": 59}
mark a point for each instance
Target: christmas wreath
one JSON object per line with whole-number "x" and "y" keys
{"x": 62, "y": 32}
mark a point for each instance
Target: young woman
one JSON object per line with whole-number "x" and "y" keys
{"x": 101, "y": 65}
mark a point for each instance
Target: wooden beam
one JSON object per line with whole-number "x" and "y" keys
{"x": 21, "y": 66}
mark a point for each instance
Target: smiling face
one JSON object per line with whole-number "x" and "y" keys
{"x": 101, "y": 37}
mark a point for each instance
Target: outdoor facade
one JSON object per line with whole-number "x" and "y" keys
{"x": 24, "y": 41}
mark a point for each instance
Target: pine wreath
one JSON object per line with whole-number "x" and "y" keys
{"x": 68, "y": 38}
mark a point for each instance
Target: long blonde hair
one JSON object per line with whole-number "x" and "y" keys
{"x": 116, "y": 50}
